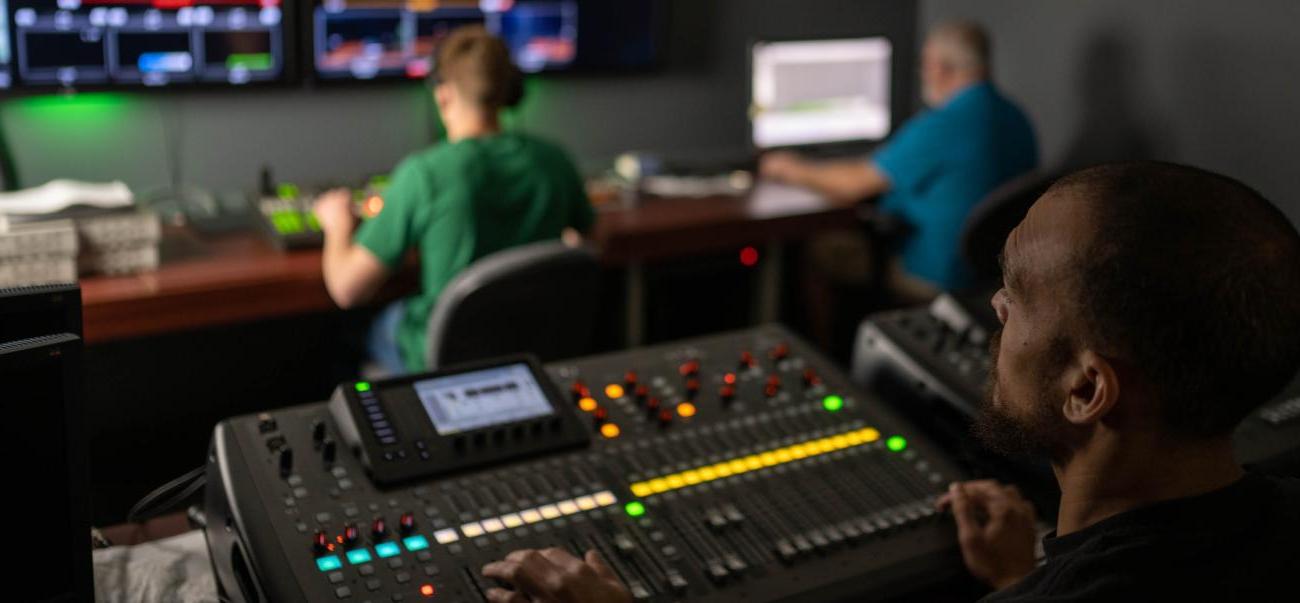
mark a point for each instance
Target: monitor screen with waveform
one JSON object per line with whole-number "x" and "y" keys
{"x": 818, "y": 92}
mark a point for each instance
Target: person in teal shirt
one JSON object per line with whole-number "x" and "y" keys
{"x": 481, "y": 191}
{"x": 939, "y": 164}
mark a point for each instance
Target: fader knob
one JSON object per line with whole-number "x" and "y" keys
{"x": 286, "y": 461}
{"x": 318, "y": 431}
{"x": 378, "y": 528}
{"x": 406, "y": 523}
{"x": 328, "y": 452}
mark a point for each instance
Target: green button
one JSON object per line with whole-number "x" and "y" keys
{"x": 896, "y": 443}
{"x": 832, "y": 403}
{"x": 634, "y": 508}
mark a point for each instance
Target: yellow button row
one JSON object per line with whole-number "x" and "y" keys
{"x": 754, "y": 462}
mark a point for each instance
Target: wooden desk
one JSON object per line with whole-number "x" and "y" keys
{"x": 240, "y": 278}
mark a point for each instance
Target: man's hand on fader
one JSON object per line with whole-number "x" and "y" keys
{"x": 995, "y": 526}
{"x": 555, "y": 576}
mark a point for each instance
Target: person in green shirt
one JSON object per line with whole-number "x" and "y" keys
{"x": 481, "y": 191}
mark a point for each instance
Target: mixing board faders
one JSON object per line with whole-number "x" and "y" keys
{"x": 740, "y": 467}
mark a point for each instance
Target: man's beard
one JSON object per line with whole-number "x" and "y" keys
{"x": 1002, "y": 432}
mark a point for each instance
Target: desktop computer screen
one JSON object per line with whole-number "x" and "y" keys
{"x": 393, "y": 39}
{"x": 820, "y": 92}
{"x": 148, "y": 42}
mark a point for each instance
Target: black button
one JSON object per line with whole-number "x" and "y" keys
{"x": 395, "y": 562}
{"x": 373, "y": 584}
{"x": 431, "y": 570}
{"x": 424, "y": 555}
{"x": 343, "y": 592}
{"x": 367, "y": 570}
{"x": 265, "y": 423}
{"x": 480, "y": 439}
{"x": 402, "y": 577}
{"x": 335, "y": 577}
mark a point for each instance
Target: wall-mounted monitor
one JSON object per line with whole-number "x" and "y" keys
{"x": 817, "y": 92}
{"x": 5, "y": 77}
{"x": 396, "y": 39}
{"x": 105, "y": 43}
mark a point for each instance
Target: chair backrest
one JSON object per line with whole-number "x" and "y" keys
{"x": 539, "y": 298}
{"x": 994, "y": 217}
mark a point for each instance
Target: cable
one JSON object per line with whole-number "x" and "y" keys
{"x": 184, "y": 481}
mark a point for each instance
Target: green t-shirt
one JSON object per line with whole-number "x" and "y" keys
{"x": 458, "y": 202}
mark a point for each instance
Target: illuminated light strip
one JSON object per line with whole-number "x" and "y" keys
{"x": 474, "y": 529}
{"x": 754, "y": 462}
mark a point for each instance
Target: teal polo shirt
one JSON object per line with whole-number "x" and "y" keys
{"x": 941, "y": 163}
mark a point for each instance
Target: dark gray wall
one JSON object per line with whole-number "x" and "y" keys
{"x": 1212, "y": 83}
{"x": 692, "y": 107}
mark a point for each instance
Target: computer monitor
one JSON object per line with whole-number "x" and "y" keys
{"x": 5, "y": 78}
{"x": 819, "y": 92}
{"x": 396, "y": 39}
{"x": 148, "y": 42}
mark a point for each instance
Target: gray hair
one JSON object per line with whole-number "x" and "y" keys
{"x": 962, "y": 45}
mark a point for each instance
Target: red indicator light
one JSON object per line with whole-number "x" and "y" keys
{"x": 748, "y": 256}
{"x": 426, "y": 590}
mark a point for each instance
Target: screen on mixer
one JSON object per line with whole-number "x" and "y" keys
{"x": 483, "y": 398}
{"x": 148, "y": 42}
{"x": 822, "y": 91}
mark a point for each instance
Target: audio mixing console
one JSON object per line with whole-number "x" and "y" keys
{"x": 737, "y": 467}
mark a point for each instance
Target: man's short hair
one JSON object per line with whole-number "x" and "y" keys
{"x": 963, "y": 45}
{"x": 1193, "y": 279}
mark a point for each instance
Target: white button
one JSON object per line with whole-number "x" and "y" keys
{"x": 445, "y": 536}
{"x": 531, "y": 516}
{"x": 550, "y": 512}
{"x": 493, "y": 525}
{"x": 568, "y": 507}
{"x": 512, "y": 520}
{"x": 472, "y": 530}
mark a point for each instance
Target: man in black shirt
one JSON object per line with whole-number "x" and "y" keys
{"x": 1147, "y": 308}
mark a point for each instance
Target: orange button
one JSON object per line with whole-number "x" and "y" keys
{"x": 610, "y": 430}
{"x": 686, "y": 409}
{"x": 614, "y": 391}
{"x": 587, "y": 404}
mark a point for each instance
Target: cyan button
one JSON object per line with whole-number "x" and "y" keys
{"x": 328, "y": 563}
{"x": 358, "y": 556}
{"x": 387, "y": 549}
{"x": 415, "y": 543}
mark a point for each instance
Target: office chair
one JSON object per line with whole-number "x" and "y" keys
{"x": 994, "y": 217}
{"x": 538, "y": 298}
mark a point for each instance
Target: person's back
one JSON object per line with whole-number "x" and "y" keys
{"x": 1236, "y": 543}
{"x": 459, "y": 201}
{"x": 942, "y": 163}
{"x": 481, "y": 191}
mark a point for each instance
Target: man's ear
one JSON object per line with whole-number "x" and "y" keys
{"x": 1094, "y": 389}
